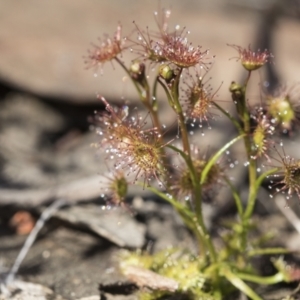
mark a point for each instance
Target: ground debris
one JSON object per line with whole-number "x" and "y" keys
{"x": 116, "y": 225}
{"x": 21, "y": 290}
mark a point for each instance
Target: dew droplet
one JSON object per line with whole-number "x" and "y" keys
{"x": 95, "y": 75}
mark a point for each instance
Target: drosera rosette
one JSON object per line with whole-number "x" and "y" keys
{"x": 198, "y": 97}
{"x": 148, "y": 43}
{"x": 133, "y": 148}
{"x": 289, "y": 171}
{"x": 179, "y": 51}
{"x": 114, "y": 188}
{"x": 108, "y": 49}
{"x": 262, "y": 135}
{"x": 172, "y": 47}
{"x": 252, "y": 60}
{"x": 182, "y": 186}
{"x": 283, "y": 108}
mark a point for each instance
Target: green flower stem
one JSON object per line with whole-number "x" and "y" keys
{"x": 178, "y": 109}
{"x": 169, "y": 97}
{"x": 186, "y": 214}
{"x": 187, "y": 156}
{"x": 197, "y": 187}
{"x": 237, "y": 281}
{"x": 262, "y": 177}
{"x": 214, "y": 158}
{"x": 199, "y": 216}
{"x": 239, "y": 97}
{"x": 278, "y": 277}
{"x": 154, "y": 95}
{"x": 252, "y": 190}
{"x": 248, "y": 78}
{"x": 268, "y": 251}
{"x": 232, "y": 119}
{"x": 236, "y": 196}
{"x": 140, "y": 92}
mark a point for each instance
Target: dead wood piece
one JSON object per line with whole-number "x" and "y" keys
{"x": 146, "y": 278}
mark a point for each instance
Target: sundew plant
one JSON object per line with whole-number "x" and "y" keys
{"x": 139, "y": 153}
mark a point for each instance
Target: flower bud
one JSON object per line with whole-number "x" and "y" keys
{"x": 166, "y": 72}
{"x": 137, "y": 70}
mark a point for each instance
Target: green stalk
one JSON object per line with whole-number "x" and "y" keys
{"x": 239, "y": 97}
{"x": 201, "y": 227}
{"x": 186, "y": 214}
{"x": 236, "y": 196}
{"x": 236, "y": 280}
{"x": 187, "y": 156}
{"x": 215, "y": 157}
{"x": 262, "y": 177}
{"x": 178, "y": 109}
{"x": 268, "y": 251}
{"x": 140, "y": 92}
{"x": 278, "y": 277}
{"x": 154, "y": 103}
{"x": 196, "y": 183}
{"x": 169, "y": 97}
{"x": 232, "y": 119}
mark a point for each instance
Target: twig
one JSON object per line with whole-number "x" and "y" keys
{"x": 47, "y": 213}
